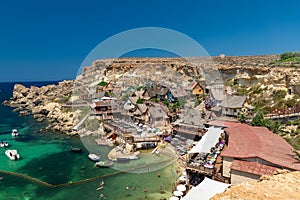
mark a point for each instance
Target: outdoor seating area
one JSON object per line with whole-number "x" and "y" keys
{"x": 199, "y": 158}
{"x": 119, "y": 125}
{"x": 181, "y": 144}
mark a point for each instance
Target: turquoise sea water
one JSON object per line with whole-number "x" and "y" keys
{"x": 46, "y": 157}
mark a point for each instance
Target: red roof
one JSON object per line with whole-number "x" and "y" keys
{"x": 222, "y": 123}
{"x": 258, "y": 142}
{"x": 102, "y": 104}
{"x": 253, "y": 167}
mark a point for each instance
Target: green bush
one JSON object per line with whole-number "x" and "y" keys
{"x": 279, "y": 94}
{"x": 286, "y": 56}
{"x": 259, "y": 120}
{"x": 290, "y": 57}
{"x": 140, "y": 101}
{"x": 102, "y": 83}
{"x": 155, "y": 99}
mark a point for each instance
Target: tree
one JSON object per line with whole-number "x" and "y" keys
{"x": 242, "y": 118}
{"x": 259, "y": 120}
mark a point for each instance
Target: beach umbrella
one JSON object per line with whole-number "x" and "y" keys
{"x": 182, "y": 178}
{"x": 178, "y": 193}
{"x": 174, "y": 198}
{"x": 181, "y": 188}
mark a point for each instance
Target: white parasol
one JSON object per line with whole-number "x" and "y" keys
{"x": 182, "y": 178}
{"x": 178, "y": 193}
{"x": 181, "y": 188}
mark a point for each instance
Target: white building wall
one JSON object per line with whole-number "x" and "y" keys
{"x": 227, "y": 161}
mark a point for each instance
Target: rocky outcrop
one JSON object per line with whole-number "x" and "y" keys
{"x": 247, "y": 70}
{"x": 283, "y": 185}
{"x": 45, "y": 103}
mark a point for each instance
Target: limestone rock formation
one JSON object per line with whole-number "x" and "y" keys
{"x": 45, "y": 103}
{"x": 284, "y": 185}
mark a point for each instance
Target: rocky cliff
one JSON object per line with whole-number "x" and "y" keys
{"x": 45, "y": 103}
{"x": 284, "y": 185}
{"x": 248, "y": 70}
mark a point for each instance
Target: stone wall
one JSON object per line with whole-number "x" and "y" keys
{"x": 239, "y": 177}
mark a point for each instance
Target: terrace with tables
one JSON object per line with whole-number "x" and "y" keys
{"x": 203, "y": 156}
{"x": 131, "y": 133}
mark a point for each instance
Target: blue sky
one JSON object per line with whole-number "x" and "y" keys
{"x": 48, "y": 40}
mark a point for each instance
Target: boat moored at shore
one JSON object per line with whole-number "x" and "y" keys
{"x": 94, "y": 157}
{"x": 4, "y": 143}
{"x": 76, "y": 149}
{"x": 14, "y": 133}
{"x": 104, "y": 163}
{"x": 12, "y": 154}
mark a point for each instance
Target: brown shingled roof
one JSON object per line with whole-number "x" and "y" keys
{"x": 222, "y": 123}
{"x": 232, "y": 101}
{"x": 258, "y": 142}
{"x": 253, "y": 167}
{"x": 178, "y": 92}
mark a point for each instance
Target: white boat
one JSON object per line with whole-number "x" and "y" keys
{"x": 4, "y": 143}
{"x": 94, "y": 157}
{"x": 12, "y": 154}
{"x": 104, "y": 163}
{"x": 132, "y": 157}
{"x": 14, "y": 133}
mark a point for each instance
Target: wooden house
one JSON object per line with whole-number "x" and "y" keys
{"x": 195, "y": 88}
{"x": 157, "y": 116}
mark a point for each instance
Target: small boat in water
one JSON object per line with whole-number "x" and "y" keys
{"x": 12, "y": 154}
{"x": 126, "y": 158}
{"x": 14, "y": 133}
{"x": 76, "y": 149}
{"x": 104, "y": 163}
{"x": 94, "y": 157}
{"x": 4, "y": 143}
